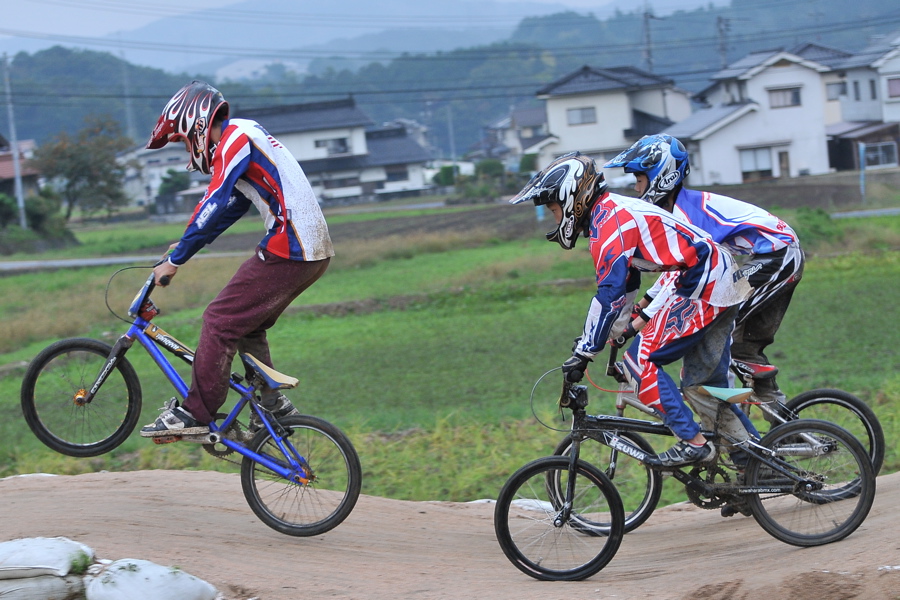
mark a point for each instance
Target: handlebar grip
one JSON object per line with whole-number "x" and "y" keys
{"x": 164, "y": 280}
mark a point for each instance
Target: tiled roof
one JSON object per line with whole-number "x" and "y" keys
{"x": 742, "y": 65}
{"x": 703, "y": 119}
{"x": 877, "y": 48}
{"x": 830, "y": 57}
{"x": 7, "y": 168}
{"x": 389, "y": 146}
{"x": 588, "y": 79}
{"x": 307, "y": 117}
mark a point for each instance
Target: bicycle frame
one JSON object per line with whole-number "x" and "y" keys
{"x": 627, "y": 385}
{"x": 154, "y": 339}
{"x": 605, "y": 428}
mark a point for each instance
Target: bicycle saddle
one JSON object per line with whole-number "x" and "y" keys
{"x": 272, "y": 378}
{"x": 732, "y": 395}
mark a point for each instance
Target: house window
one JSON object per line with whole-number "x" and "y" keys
{"x": 343, "y": 182}
{"x": 397, "y": 173}
{"x": 882, "y": 154}
{"x": 334, "y": 145}
{"x": 873, "y": 89}
{"x": 856, "y": 95}
{"x": 756, "y": 164}
{"x": 784, "y": 97}
{"x": 836, "y": 90}
{"x": 582, "y": 116}
{"x": 893, "y": 86}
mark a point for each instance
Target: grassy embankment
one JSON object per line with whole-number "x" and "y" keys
{"x": 431, "y": 377}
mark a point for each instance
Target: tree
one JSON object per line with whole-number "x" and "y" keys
{"x": 173, "y": 181}
{"x": 9, "y": 211}
{"x": 85, "y": 170}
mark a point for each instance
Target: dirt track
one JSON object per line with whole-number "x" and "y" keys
{"x": 390, "y": 549}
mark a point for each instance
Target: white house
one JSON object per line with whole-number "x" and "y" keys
{"x": 146, "y": 170}
{"x": 600, "y": 112}
{"x": 764, "y": 118}
{"x": 522, "y": 131}
{"x": 870, "y": 106}
{"x": 344, "y": 155}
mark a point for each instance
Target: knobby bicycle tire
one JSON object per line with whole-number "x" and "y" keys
{"x": 532, "y": 533}
{"x": 818, "y": 516}
{"x": 304, "y": 509}
{"x": 54, "y": 381}
{"x": 846, "y": 410}
{"x": 638, "y": 485}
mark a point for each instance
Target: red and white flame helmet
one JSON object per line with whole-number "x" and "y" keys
{"x": 188, "y": 116}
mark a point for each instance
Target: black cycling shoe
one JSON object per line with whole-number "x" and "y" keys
{"x": 683, "y": 453}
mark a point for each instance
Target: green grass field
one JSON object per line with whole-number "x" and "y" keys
{"x": 431, "y": 372}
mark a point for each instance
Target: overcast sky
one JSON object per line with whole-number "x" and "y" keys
{"x": 95, "y": 18}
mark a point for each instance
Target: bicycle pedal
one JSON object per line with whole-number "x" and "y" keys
{"x": 166, "y": 439}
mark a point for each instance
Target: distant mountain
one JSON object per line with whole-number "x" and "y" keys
{"x": 295, "y": 31}
{"x": 249, "y": 34}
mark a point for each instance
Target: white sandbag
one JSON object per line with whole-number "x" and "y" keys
{"x": 45, "y": 587}
{"x": 135, "y": 579}
{"x": 33, "y": 557}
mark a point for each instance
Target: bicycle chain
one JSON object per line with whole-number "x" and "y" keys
{"x": 712, "y": 474}
{"x": 237, "y": 431}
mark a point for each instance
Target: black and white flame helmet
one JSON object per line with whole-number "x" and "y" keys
{"x": 572, "y": 181}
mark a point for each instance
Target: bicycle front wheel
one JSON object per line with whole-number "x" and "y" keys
{"x": 329, "y": 471}
{"x": 547, "y": 539}
{"x": 53, "y": 392}
{"x": 638, "y": 485}
{"x": 838, "y": 489}
{"x": 847, "y": 411}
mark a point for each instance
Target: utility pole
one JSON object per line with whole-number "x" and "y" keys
{"x": 129, "y": 112}
{"x": 17, "y": 170}
{"x": 722, "y": 27}
{"x": 648, "y": 43}
{"x": 452, "y": 139}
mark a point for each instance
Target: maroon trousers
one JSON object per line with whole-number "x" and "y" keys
{"x": 237, "y": 320}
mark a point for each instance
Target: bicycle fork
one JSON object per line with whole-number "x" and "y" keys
{"x": 83, "y": 397}
{"x": 565, "y": 512}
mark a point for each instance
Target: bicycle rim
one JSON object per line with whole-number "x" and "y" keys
{"x": 314, "y": 507}
{"x": 61, "y": 374}
{"x": 840, "y": 466}
{"x": 847, "y": 411}
{"x": 537, "y": 541}
{"x": 639, "y": 486}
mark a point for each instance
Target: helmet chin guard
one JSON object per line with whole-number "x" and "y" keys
{"x": 573, "y": 182}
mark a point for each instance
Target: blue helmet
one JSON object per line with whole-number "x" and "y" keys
{"x": 662, "y": 158}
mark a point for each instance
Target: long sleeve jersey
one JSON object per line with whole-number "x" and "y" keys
{"x": 742, "y": 228}
{"x": 250, "y": 167}
{"x": 627, "y": 233}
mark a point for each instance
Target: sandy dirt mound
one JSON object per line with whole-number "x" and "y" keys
{"x": 389, "y": 549}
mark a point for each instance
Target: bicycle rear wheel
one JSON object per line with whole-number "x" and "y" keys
{"x": 54, "y": 385}
{"x": 841, "y": 477}
{"x": 847, "y": 411}
{"x": 638, "y": 485}
{"x": 329, "y": 462}
{"x": 538, "y": 538}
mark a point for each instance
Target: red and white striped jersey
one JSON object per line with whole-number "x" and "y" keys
{"x": 630, "y": 233}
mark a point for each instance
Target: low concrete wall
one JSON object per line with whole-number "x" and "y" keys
{"x": 830, "y": 192}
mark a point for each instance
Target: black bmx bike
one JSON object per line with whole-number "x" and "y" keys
{"x": 807, "y": 482}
